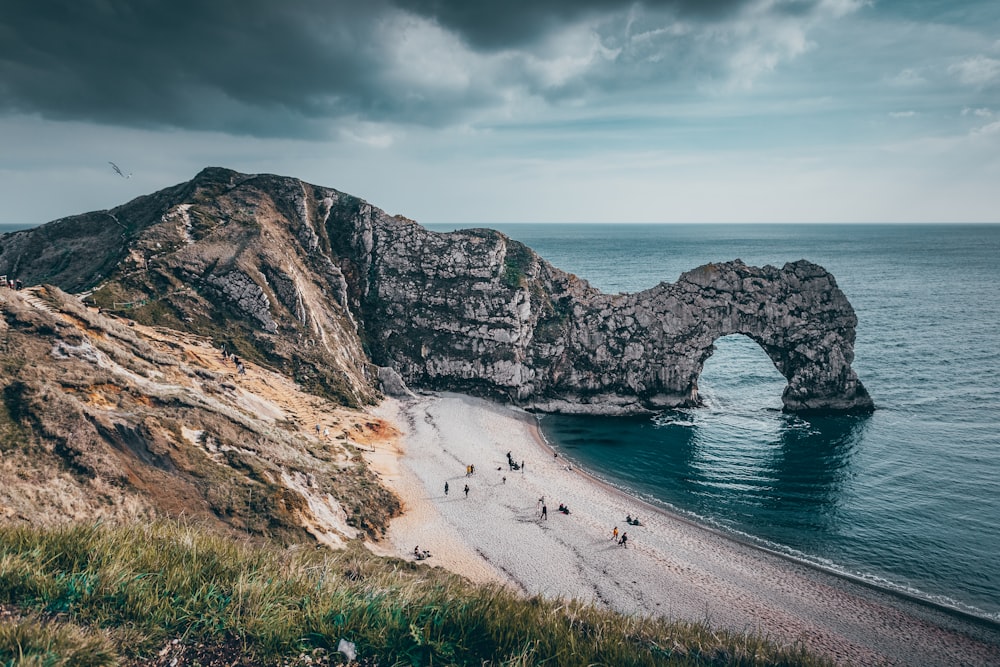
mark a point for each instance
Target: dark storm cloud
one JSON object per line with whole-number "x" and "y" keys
{"x": 268, "y": 68}
{"x": 493, "y": 25}
{"x": 221, "y": 64}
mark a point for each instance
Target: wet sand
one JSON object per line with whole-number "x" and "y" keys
{"x": 670, "y": 567}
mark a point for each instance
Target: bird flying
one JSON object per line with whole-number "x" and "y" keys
{"x": 118, "y": 170}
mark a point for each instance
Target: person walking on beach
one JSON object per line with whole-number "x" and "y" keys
{"x": 545, "y": 512}
{"x": 614, "y": 534}
{"x": 624, "y": 540}
{"x": 446, "y": 488}
{"x": 466, "y": 490}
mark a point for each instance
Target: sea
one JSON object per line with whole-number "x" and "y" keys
{"x": 907, "y": 497}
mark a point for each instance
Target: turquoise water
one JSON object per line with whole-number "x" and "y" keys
{"x": 909, "y": 496}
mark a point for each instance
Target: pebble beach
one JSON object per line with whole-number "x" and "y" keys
{"x": 669, "y": 567}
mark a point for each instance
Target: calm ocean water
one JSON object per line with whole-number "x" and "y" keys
{"x": 909, "y": 496}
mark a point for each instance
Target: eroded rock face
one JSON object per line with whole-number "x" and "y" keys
{"x": 480, "y": 312}
{"x": 332, "y": 287}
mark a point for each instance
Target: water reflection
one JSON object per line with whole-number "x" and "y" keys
{"x": 770, "y": 474}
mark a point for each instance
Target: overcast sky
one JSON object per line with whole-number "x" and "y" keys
{"x": 527, "y": 110}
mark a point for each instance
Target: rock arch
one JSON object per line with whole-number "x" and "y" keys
{"x": 475, "y": 311}
{"x": 796, "y": 314}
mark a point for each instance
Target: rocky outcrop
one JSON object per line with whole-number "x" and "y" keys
{"x": 481, "y": 312}
{"x": 330, "y": 288}
{"x": 103, "y": 418}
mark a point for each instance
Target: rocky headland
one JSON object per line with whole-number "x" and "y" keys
{"x": 350, "y": 302}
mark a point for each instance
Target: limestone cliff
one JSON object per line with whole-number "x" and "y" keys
{"x": 328, "y": 288}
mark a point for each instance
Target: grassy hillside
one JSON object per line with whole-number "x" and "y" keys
{"x": 99, "y": 595}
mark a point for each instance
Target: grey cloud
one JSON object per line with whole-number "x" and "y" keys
{"x": 495, "y": 25}
{"x": 268, "y": 68}
{"x": 185, "y": 63}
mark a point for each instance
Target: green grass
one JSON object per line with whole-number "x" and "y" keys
{"x": 32, "y": 642}
{"x": 516, "y": 262}
{"x": 147, "y": 584}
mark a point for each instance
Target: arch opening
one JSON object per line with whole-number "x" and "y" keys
{"x": 740, "y": 376}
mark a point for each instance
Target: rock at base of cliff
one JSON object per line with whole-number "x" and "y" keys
{"x": 392, "y": 384}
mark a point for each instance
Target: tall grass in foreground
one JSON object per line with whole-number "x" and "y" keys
{"x": 143, "y": 586}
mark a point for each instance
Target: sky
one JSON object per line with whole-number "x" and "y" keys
{"x": 451, "y": 111}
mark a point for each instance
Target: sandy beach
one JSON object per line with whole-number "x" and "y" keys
{"x": 670, "y": 566}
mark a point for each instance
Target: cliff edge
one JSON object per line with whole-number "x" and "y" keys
{"x": 335, "y": 292}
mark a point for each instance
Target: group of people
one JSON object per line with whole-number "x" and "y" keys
{"x": 623, "y": 540}
{"x": 14, "y": 284}
{"x": 446, "y": 489}
{"x": 226, "y": 356}
{"x": 544, "y": 515}
{"x": 545, "y": 510}
{"x": 420, "y": 555}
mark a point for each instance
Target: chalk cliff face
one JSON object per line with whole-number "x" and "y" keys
{"x": 330, "y": 289}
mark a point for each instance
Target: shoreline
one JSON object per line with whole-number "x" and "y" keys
{"x": 673, "y": 566}
{"x": 748, "y": 541}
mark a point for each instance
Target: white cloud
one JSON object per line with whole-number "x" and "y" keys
{"x": 765, "y": 51}
{"x": 981, "y": 113}
{"x": 567, "y": 55}
{"x": 369, "y": 135}
{"x": 762, "y": 38}
{"x": 839, "y": 8}
{"x": 902, "y": 114}
{"x": 977, "y": 71}
{"x": 907, "y": 78}
{"x": 989, "y": 129}
{"x": 423, "y": 54}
